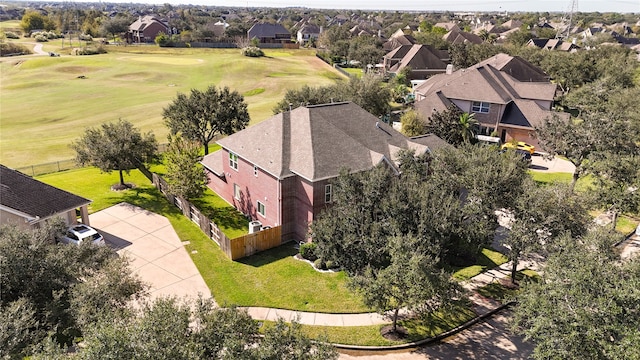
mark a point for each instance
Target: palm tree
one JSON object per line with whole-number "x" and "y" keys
{"x": 484, "y": 35}
{"x": 468, "y": 126}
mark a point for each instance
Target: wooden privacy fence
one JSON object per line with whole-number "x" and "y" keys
{"x": 234, "y": 248}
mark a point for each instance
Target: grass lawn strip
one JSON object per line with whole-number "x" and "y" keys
{"x": 431, "y": 325}
{"x": 270, "y": 279}
{"x": 486, "y": 260}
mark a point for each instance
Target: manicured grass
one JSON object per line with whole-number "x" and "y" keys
{"x": 45, "y": 105}
{"x": 627, "y": 224}
{"x": 354, "y": 71}
{"x": 486, "y": 260}
{"x": 272, "y": 278}
{"x": 94, "y": 185}
{"x": 420, "y": 328}
{"x": 542, "y": 178}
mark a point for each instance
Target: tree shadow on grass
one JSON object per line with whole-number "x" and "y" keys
{"x": 149, "y": 198}
{"x": 269, "y": 256}
{"x": 224, "y": 216}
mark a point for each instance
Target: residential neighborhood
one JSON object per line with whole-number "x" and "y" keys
{"x": 186, "y": 181}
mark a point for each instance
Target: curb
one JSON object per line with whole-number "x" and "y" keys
{"x": 427, "y": 340}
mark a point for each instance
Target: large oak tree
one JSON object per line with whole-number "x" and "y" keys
{"x": 115, "y": 146}
{"x": 203, "y": 115}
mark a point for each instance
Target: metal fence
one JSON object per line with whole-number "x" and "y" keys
{"x": 47, "y": 168}
{"x": 62, "y": 165}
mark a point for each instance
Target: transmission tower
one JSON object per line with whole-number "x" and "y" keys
{"x": 567, "y": 19}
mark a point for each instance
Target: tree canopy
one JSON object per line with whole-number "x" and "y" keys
{"x": 185, "y": 175}
{"x": 115, "y": 146}
{"x": 585, "y": 306}
{"x": 368, "y": 92}
{"x": 180, "y": 330}
{"x": 202, "y": 115}
{"x": 56, "y": 291}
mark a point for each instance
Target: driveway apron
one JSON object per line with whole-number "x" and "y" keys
{"x": 153, "y": 248}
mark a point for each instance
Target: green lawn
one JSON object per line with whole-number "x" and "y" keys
{"x": 542, "y": 178}
{"x": 420, "y": 328}
{"x": 45, "y": 105}
{"x": 354, "y": 71}
{"x": 272, "y": 278}
{"x": 486, "y": 260}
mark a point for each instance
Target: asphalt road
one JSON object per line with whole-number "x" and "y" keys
{"x": 487, "y": 340}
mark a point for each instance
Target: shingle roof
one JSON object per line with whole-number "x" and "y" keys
{"x": 266, "y": 30}
{"x": 492, "y": 81}
{"x": 418, "y": 57}
{"x": 316, "y": 142}
{"x": 32, "y": 197}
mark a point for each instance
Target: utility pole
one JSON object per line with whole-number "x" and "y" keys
{"x": 567, "y": 18}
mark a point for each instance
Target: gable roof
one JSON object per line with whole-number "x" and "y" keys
{"x": 397, "y": 41}
{"x": 267, "y": 30}
{"x": 143, "y": 21}
{"x": 316, "y": 142}
{"x": 493, "y": 81}
{"x": 461, "y": 37}
{"x": 33, "y": 198}
{"x": 418, "y": 57}
{"x": 309, "y": 29}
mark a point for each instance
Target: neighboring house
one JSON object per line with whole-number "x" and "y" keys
{"x": 279, "y": 171}
{"x": 28, "y": 203}
{"x": 269, "y": 33}
{"x": 508, "y": 95}
{"x": 461, "y": 37}
{"x": 448, "y": 26}
{"x": 424, "y": 60}
{"x": 512, "y": 24}
{"x": 398, "y": 40}
{"x": 308, "y": 32}
{"x": 146, "y": 28}
{"x": 553, "y": 44}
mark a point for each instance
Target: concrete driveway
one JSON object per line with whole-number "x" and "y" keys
{"x": 540, "y": 163}
{"x": 154, "y": 249}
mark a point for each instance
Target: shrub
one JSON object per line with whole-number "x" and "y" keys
{"x": 320, "y": 264}
{"x": 8, "y": 49}
{"x": 308, "y": 251}
{"x": 11, "y": 35}
{"x": 330, "y": 264}
{"x": 85, "y": 37}
{"x": 90, "y": 51}
{"x": 252, "y": 51}
{"x": 41, "y": 38}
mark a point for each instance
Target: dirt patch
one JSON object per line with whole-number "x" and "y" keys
{"x": 400, "y": 334}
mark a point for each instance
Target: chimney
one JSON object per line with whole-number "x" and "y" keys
{"x": 449, "y": 70}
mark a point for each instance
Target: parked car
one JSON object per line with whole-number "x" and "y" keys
{"x": 520, "y": 145}
{"x": 77, "y": 234}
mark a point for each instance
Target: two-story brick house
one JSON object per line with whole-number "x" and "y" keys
{"x": 508, "y": 95}
{"x": 279, "y": 171}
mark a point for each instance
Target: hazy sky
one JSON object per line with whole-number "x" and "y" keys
{"x": 453, "y": 5}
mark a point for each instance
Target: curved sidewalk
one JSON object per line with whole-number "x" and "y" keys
{"x": 158, "y": 256}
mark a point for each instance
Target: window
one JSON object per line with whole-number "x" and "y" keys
{"x": 255, "y": 170}
{"x": 327, "y": 193}
{"x": 233, "y": 161}
{"x": 480, "y": 107}
{"x": 261, "y": 209}
{"x": 236, "y": 191}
